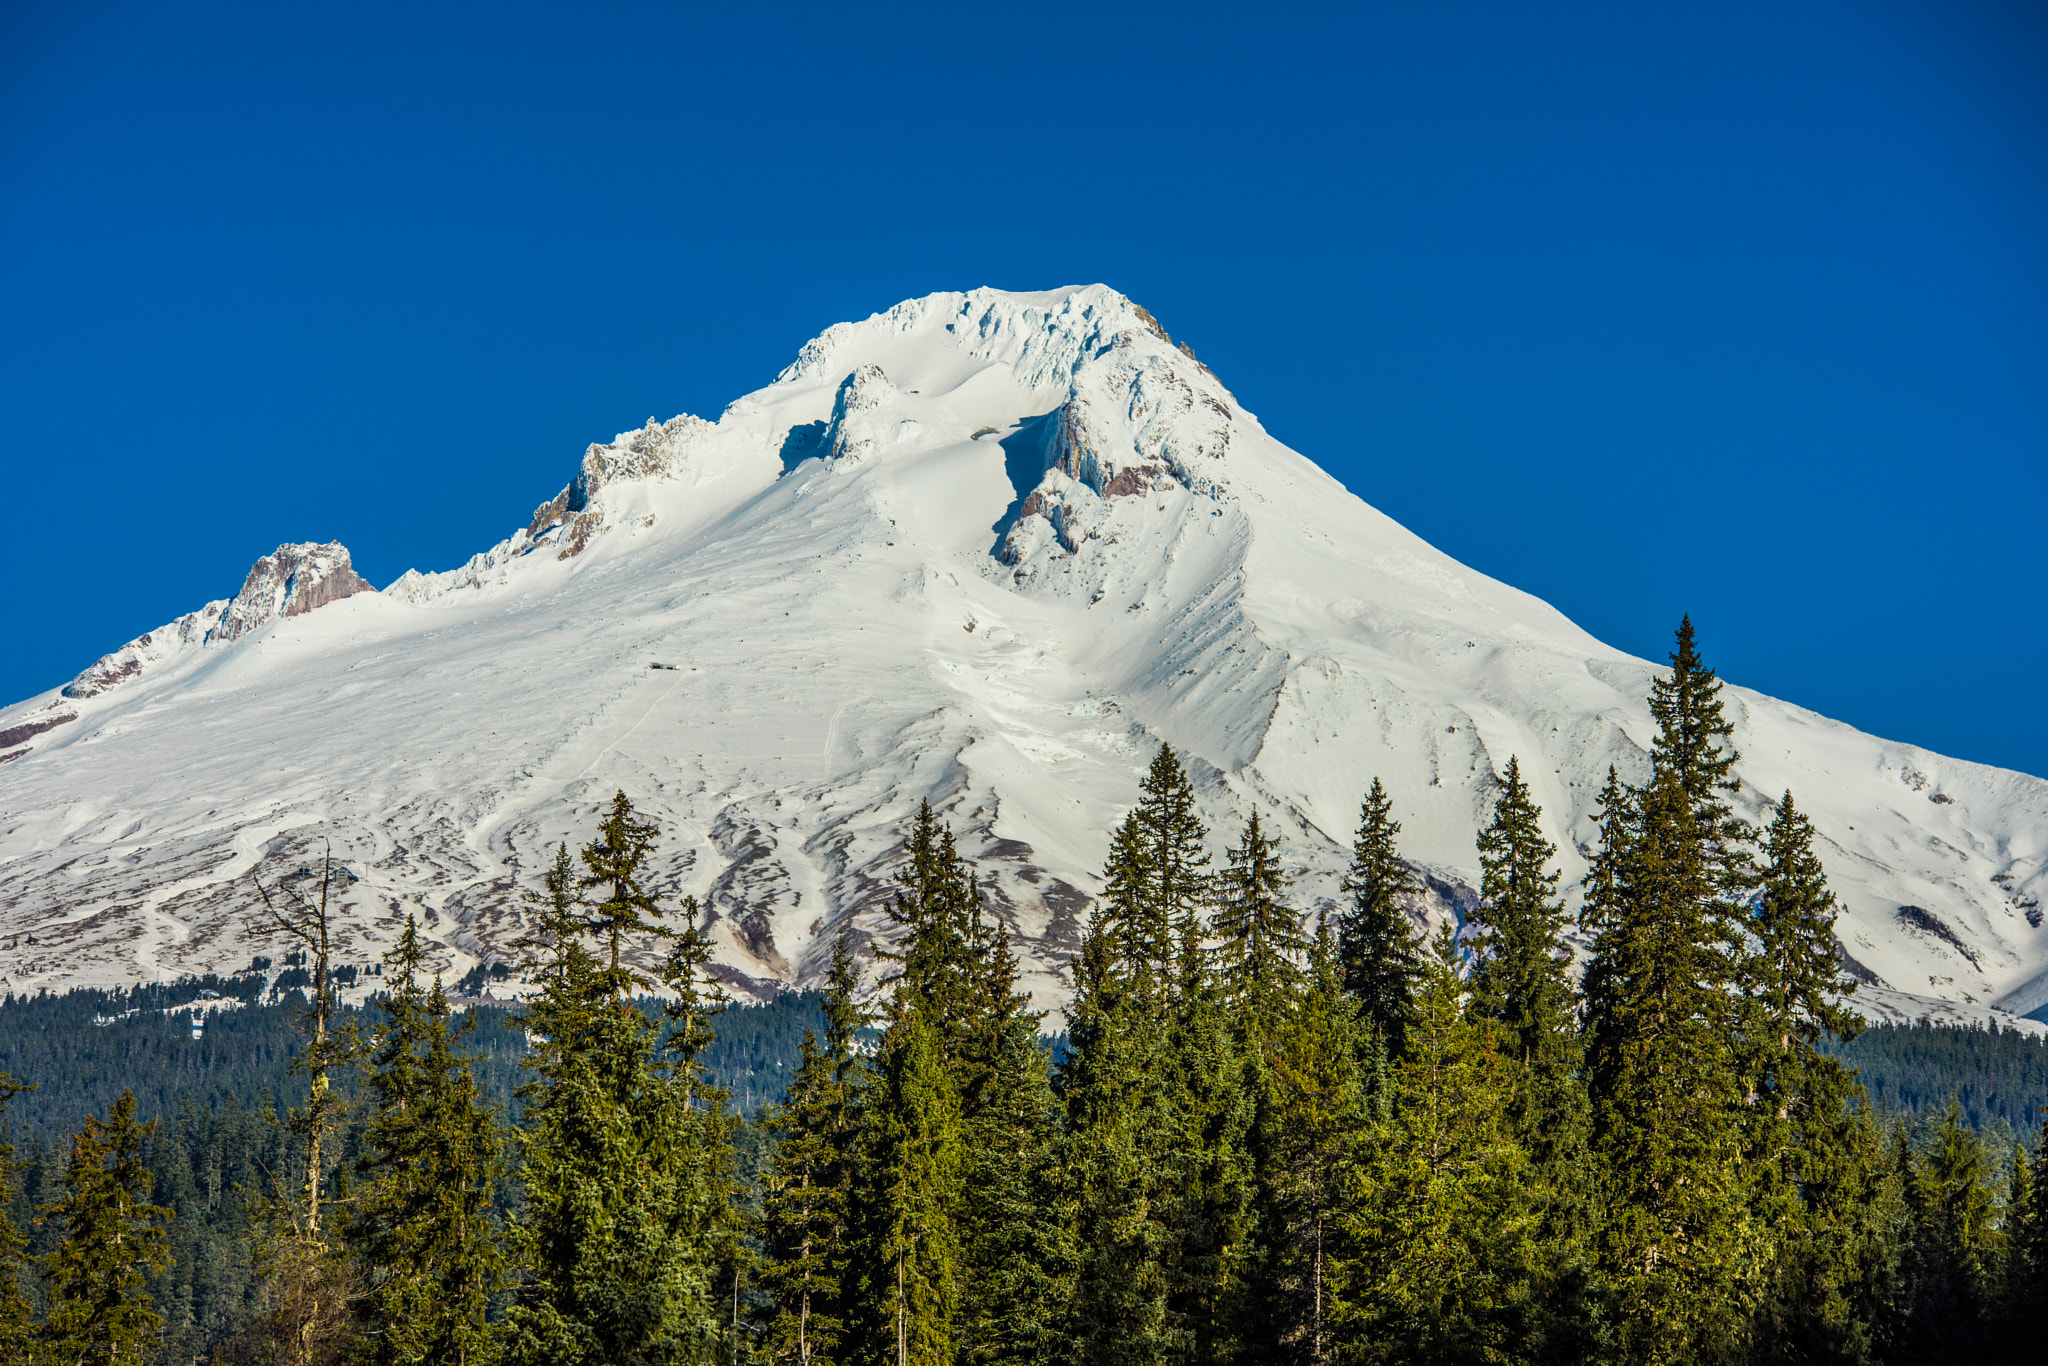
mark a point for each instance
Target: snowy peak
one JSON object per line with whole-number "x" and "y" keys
{"x": 986, "y": 549}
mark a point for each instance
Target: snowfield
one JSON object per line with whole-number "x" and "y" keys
{"x": 988, "y": 549}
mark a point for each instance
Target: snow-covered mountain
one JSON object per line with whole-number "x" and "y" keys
{"x": 985, "y": 548}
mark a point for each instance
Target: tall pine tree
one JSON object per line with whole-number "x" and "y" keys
{"x": 17, "y": 1313}
{"x": 1376, "y": 940}
{"x": 421, "y": 1223}
{"x": 1261, "y": 945}
{"x": 613, "y": 1243}
{"x": 1110, "y": 1167}
{"x": 1521, "y": 986}
{"x": 1314, "y": 1119}
{"x": 100, "y": 1312}
{"x": 1176, "y": 861}
{"x": 1680, "y": 1255}
{"x": 1441, "y": 1232}
{"x": 913, "y": 1254}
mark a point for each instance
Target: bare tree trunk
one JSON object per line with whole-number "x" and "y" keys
{"x": 306, "y": 919}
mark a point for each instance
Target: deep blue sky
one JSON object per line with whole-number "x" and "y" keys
{"x": 1736, "y": 309}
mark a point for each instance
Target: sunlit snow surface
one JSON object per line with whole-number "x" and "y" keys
{"x": 987, "y": 549}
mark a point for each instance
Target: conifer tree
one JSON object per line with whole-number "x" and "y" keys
{"x": 421, "y": 1224}
{"x": 615, "y": 863}
{"x": 1681, "y": 1258}
{"x": 1207, "y": 1179}
{"x": 1800, "y": 1128}
{"x": 707, "y": 1190}
{"x": 935, "y": 908}
{"x": 1140, "y": 939}
{"x": 1519, "y": 976}
{"x": 17, "y": 1313}
{"x": 1316, "y": 1114}
{"x": 100, "y": 1312}
{"x": 803, "y": 1212}
{"x": 616, "y": 1248}
{"x": 1012, "y": 1242}
{"x": 1111, "y": 1093}
{"x": 1677, "y": 1253}
{"x": 1175, "y": 860}
{"x": 1694, "y": 743}
{"x": 1615, "y": 817}
{"x": 1261, "y": 944}
{"x": 808, "y": 1200}
{"x": 1951, "y": 1256}
{"x": 1376, "y": 941}
{"x": 1442, "y": 1236}
{"x": 1792, "y": 980}
{"x": 912, "y": 1270}
{"x": 1520, "y": 986}
{"x": 2026, "y": 1304}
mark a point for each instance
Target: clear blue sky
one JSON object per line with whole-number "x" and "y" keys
{"x": 1737, "y": 309}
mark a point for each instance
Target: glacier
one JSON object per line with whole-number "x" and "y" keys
{"x": 986, "y": 549}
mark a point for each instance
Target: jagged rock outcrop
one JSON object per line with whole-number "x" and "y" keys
{"x": 289, "y": 582}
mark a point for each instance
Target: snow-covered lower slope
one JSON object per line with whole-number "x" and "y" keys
{"x": 988, "y": 549}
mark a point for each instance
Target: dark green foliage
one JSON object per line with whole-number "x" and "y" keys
{"x": 2026, "y": 1230}
{"x": 1312, "y": 1126}
{"x": 1520, "y": 986}
{"x": 1375, "y": 939}
{"x": 1519, "y": 977}
{"x": 1225, "y": 1166}
{"x": 1952, "y": 1247}
{"x": 1694, "y": 745}
{"x": 1131, "y": 916}
{"x": 912, "y": 1258}
{"x": 1175, "y": 859}
{"x": 17, "y": 1312}
{"x": 616, "y": 1242}
{"x": 1678, "y": 1251}
{"x": 421, "y": 1222}
{"x": 804, "y": 1215}
{"x": 935, "y": 913}
{"x": 1441, "y": 1229}
{"x": 1110, "y": 1086}
{"x": 100, "y": 1310}
{"x": 1207, "y": 1182}
{"x": 1997, "y": 1076}
{"x": 1011, "y": 1244}
{"x": 1260, "y": 943}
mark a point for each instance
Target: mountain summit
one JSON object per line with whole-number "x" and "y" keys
{"x": 986, "y": 549}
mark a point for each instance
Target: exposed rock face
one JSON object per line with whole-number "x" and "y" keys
{"x": 28, "y": 730}
{"x": 649, "y": 453}
{"x": 289, "y": 582}
{"x": 851, "y": 434}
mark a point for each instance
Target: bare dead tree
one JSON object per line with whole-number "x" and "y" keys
{"x": 305, "y": 916}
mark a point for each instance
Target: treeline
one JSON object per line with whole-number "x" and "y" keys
{"x": 1999, "y": 1077}
{"x": 1263, "y": 1140}
{"x": 82, "y": 1048}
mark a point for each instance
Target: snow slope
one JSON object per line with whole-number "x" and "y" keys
{"x": 988, "y": 549}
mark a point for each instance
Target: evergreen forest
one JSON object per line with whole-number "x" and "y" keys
{"x": 1263, "y": 1136}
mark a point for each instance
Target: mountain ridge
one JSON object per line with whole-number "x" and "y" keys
{"x": 989, "y": 549}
